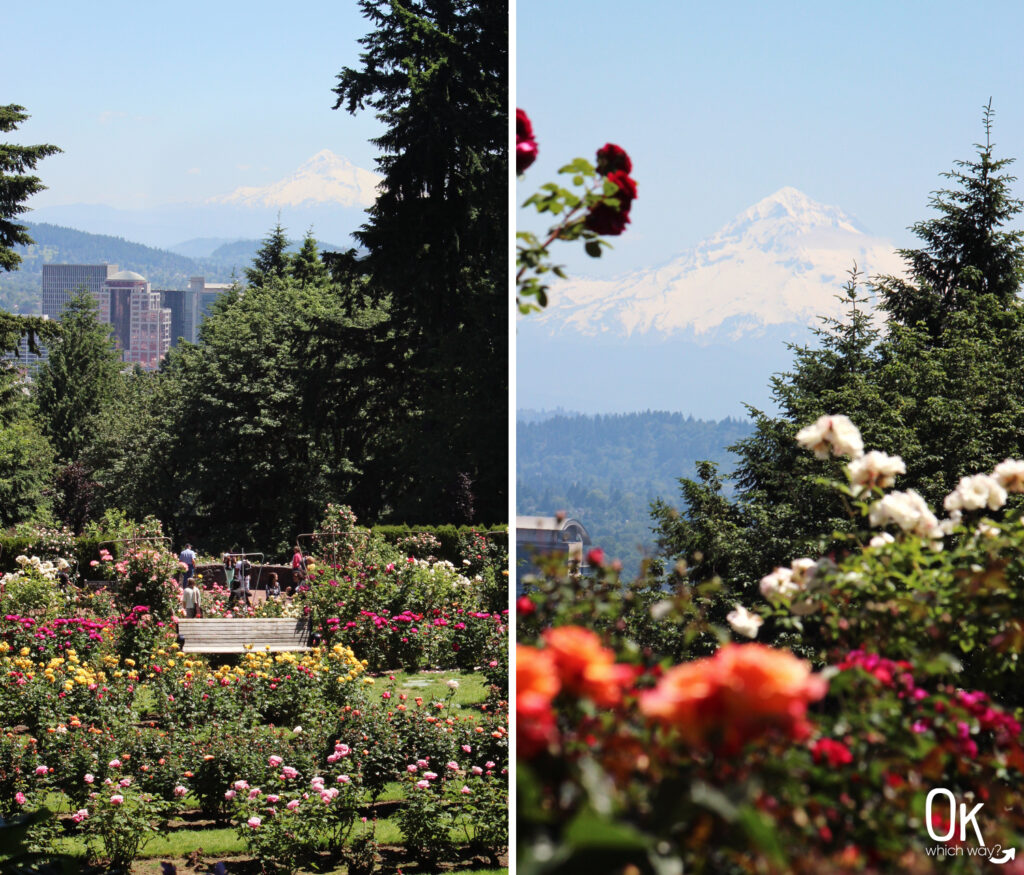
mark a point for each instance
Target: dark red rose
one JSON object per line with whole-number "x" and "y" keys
{"x": 526, "y": 145}
{"x": 611, "y": 158}
{"x": 606, "y": 219}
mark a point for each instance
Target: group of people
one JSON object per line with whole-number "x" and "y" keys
{"x": 238, "y": 579}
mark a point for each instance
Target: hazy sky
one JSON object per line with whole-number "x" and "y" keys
{"x": 861, "y": 105}
{"x": 156, "y": 103}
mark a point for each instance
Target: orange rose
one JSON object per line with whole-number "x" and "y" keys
{"x": 536, "y": 685}
{"x": 585, "y": 667}
{"x": 735, "y": 695}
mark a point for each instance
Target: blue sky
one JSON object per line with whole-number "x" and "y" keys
{"x": 861, "y": 105}
{"x": 158, "y": 103}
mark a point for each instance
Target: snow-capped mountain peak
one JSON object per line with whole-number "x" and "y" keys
{"x": 325, "y": 178}
{"x": 783, "y": 260}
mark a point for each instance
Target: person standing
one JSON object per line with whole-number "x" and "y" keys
{"x": 229, "y": 571}
{"x": 298, "y": 560}
{"x": 188, "y": 558}
{"x": 191, "y": 599}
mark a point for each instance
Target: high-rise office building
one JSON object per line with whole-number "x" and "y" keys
{"x": 61, "y": 281}
{"x": 202, "y": 297}
{"x": 141, "y": 325}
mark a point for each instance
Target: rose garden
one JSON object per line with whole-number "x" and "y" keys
{"x": 382, "y": 746}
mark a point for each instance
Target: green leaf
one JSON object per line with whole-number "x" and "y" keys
{"x": 593, "y": 248}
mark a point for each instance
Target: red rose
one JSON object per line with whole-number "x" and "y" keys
{"x": 525, "y": 605}
{"x": 606, "y": 219}
{"x": 526, "y": 145}
{"x": 595, "y": 557}
{"x": 611, "y": 158}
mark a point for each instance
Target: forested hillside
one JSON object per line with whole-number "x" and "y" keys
{"x": 20, "y": 290}
{"x": 606, "y": 469}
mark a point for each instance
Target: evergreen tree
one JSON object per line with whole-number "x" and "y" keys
{"x": 271, "y": 260}
{"x": 941, "y": 389}
{"x": 76, "y": 383}
{"x": 436, "y": 72}
{"x": 307, "y": 267}
{"x": 16, "y": 185}
{"x": 966, "y": 254}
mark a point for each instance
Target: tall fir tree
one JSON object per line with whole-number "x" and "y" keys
{"x": 307, "y": 267}
{"x": 436, "y": 73}
{"x": 272, "y": 258}
{"x": 17, "y": 185}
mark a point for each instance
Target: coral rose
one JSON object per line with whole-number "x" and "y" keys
{"x": 735, "y": 695}
{"x": 586, "y": 667}
{"x": 536, "y": 685}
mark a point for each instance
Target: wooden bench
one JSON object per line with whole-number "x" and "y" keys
{"x": 232, "y": 635}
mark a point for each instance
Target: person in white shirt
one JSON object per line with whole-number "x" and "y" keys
{"x": 191, "y": 598}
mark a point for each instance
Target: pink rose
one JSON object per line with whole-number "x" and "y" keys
{"x": 20, "y": 798}
{"x": 116, "y": 800}
{"x": 41, "y": 770}
{"x": 254, "y": 822}
{"x": 291, "y": 806}
{"x": 114, "y": 764}
{"x": 423, "y": 784}
{"x": 180, "y": 790}
{"x": 229, "y": 794}
{"x": 465, "y": 790}
{"x": 88, "y": 778}
{"x": 275, "y": 761}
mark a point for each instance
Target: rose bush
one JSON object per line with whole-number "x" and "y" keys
{"x": 648, "y": 739}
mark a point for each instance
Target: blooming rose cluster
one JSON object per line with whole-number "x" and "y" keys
{"x": 976, "y": 492}
{"x": 615, "y": 166}
{"x": 738, "y": 694}
{"x": 573, "y": 661}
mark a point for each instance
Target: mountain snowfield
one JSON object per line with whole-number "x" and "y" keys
{"x": 325, "y": 178}
{"x": 781, "y": 261}
{"x": 703, "y": 333}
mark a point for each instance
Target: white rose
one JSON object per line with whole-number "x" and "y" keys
{"x": 874, "y": 469}
{"x": 1010, "y": 475}
{"x": 976, "y": 492}
{"x": 909, "y": 511}
{"x": 744, "y": 622}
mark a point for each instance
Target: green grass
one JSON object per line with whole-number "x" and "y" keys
{"x": 472, "y": 689}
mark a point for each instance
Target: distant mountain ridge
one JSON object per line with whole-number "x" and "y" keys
{"x": 704, "y": 332}
{"x": 606, "y": 470}
{"x": 780, "y": 261}
{"x": 20, "y": 290}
